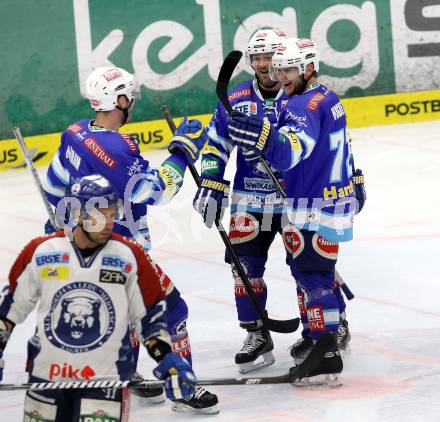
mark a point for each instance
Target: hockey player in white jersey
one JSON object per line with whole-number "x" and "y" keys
{"x": 96, "y": 146}
{"x": 87, "y": 290}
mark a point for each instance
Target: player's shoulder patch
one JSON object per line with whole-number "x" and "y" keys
{"x": 128, "y": 139}
{"x": 242, "y": 90}
{"x": 314, "y": 101}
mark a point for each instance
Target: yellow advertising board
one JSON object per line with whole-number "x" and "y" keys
{"x": 155, "y": 134}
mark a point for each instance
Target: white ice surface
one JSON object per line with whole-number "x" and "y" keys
{"x": 392, "y": 266}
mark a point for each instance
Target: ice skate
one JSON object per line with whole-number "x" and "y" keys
{"x": 256, "y": 352}
{"x": 148, "y": 396}
{"x": 300, "y": 350}
{"x": 202, "y": 401}
{"x": 322, "y": 367}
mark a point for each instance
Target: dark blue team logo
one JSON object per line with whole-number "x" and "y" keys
{"x": 81, "y": 318}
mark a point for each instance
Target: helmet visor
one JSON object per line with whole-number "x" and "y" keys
{"x": 283, "y": 74}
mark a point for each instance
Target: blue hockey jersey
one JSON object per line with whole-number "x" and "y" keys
{"x": 86, "y": 149}
{"x": 253, "y": 189}
{"x": 311, "y": 147}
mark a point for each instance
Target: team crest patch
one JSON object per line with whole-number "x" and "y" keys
{"x": 325, "y": 247}
{"x": 293, "y": 240}
{"x": 81, "y": 318}
{"x": 314, "y": 101}
{"x": 243, "y": 227}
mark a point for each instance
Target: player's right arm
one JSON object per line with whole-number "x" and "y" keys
{"x": 20, "y": 297}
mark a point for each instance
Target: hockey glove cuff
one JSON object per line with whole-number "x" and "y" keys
{"x": 211, "y": 200}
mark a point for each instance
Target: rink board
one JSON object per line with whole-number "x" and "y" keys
{"x": 155, "y": 134}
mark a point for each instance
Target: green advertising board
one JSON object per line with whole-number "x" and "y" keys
{"x": 175, "y": 48}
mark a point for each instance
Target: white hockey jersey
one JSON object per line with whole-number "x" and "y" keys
{"x": 85, "y": 306}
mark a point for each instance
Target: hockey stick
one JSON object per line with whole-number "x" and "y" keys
{"x": 279, "y": 326}
{"x": 224, "y": 77}
{"x": 295, "y": 373}
{"x": 17, "y": 133}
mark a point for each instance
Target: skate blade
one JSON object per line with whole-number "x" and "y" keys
{"x": 185, "y": 408}
{"x": 323, "y": 380}
{"x": 263, "y": 361}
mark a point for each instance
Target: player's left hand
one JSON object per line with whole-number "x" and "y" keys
{"x": 189, "y": 138}
{"x": 359, "y": 189}
{"x": 180, "y": 380}
{"x": 249, "y": 133}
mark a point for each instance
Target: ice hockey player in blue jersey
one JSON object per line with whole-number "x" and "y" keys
{"x": 256, "y": 205}
{"x": 84, "y": 304}
{"x": 96, "y": 146}
{"x": 310, "y": 145}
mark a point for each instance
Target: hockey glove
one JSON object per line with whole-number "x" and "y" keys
{"x": 180, "y": 380}
{"x": 359, "y": 190}
{"x": 211, "y": 199}
{"x": 189, "y": 139}
{"x": 250, "y": 134}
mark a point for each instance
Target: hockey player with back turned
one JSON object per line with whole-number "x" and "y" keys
{"x": 256, "y": 205}
{"x": 311, "y": 146}
{"x": 84, "y": 307}
{"x": 96, "y": 146}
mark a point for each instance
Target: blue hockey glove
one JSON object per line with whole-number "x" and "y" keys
{"x": 180, "y": 380}
{"x": 189, "y": 139}
{"x": 359, "y": 189}
{"x": 211, "y": 199}
{"x": 249, "y": 133}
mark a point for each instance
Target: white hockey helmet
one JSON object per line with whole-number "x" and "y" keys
{"x": 265, "y": 40}
{"x": 105, "y": 84}
{"x": 294, "y": 52}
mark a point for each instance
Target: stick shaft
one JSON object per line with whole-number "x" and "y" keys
{"x": 37, "y": 181}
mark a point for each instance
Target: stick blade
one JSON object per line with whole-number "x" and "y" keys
{"x": 282, "y": 326}
{"x": 226, "y": 71}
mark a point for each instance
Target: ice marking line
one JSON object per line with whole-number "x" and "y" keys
{"x": 370, "y": 344}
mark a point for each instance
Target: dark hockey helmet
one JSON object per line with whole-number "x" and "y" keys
{"x": 93, "y": 191}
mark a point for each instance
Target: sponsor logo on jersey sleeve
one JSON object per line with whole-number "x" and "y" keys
{"x": 314, "y": 101}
